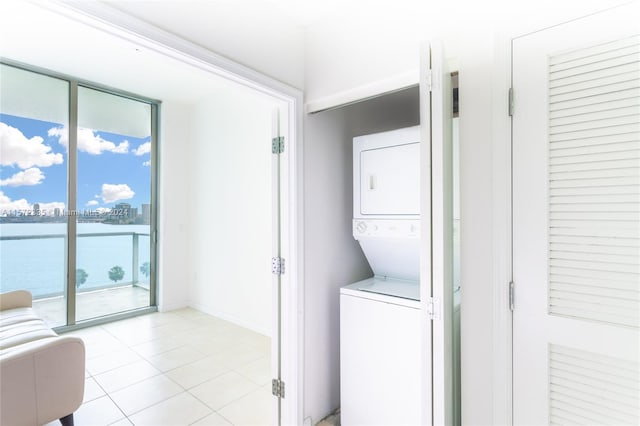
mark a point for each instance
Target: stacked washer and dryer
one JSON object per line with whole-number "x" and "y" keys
{"x": 380, "y": 343}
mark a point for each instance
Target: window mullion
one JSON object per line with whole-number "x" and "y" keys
{"x": 72, "y": 205}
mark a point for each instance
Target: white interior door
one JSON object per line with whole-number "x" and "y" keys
{"x": 576, "y": 222}
{"x": 436, "y": 291}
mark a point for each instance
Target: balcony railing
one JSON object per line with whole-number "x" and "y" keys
{"x": 39, "y": 257}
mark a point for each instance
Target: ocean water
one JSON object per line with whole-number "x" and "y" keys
{"x": 38, "y": 265}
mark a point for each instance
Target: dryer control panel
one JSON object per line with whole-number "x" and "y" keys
{"x": 383, "y": 228}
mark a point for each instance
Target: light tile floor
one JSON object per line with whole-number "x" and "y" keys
{"x": 175, "y": 368}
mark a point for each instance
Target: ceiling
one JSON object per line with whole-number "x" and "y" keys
{"x": 44, "y": 39}
{"x": 270, "y": 32}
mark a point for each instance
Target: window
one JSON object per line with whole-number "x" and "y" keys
{"x": 77, "y": 211}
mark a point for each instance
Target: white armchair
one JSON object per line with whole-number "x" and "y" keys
{"x": 41, "y": 373}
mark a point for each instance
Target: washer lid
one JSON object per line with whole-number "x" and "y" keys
{"x": 391, "y": 287}
{"x": 404, "y": 289}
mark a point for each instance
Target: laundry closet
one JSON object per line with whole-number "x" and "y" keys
{"x": 387, "y": 297}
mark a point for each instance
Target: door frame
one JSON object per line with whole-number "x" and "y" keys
{"x": 126, "y": 27}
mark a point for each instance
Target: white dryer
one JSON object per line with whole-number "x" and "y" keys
{"x": 380, "y": 316}
{"x": 386, "y": 175}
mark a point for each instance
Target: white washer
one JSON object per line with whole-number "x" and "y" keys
{"x": 380, "y": 353}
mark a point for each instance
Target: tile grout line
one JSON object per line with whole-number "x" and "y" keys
{"x": 198, "y": 327}
{"x": 212, "y": 410}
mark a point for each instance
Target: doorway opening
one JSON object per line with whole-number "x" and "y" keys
{"x": 216, "y": 174}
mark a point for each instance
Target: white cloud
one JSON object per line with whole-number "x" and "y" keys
{"x": 122, "y": 148}
{"x": 89, "y": 142}
{"x": 116, "y": 192}
{"x": 16, "y": 149}
{"x": 50, "y": 208}
{"x": 32, "y": 176}
{"x": 92, "y": 203}
{"x": 145, "y": 148}
{"x": 7, "y": 204}
{"x": 146, "y": 163}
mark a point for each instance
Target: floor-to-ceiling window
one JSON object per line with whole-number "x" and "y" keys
{"x": 77, "y": 204}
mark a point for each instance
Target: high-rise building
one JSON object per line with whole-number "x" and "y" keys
{"x": 146, "y": 214}
{"x": 36, "y": 209}
{"x": 121, "y": 212}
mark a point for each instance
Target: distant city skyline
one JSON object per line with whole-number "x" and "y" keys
{"x": 111, "y": 168}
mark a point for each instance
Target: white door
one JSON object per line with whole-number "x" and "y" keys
{"x": 436, "y": 292}
{"x": 576, "y": 222}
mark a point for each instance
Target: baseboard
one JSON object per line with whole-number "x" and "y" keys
{"x": 166, "y": 307}
{"x": 231, "y": 318}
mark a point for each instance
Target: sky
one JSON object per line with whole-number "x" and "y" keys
{"x": 33, "y": 167}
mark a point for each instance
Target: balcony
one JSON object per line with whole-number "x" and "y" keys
{"x": 36, "y": 262}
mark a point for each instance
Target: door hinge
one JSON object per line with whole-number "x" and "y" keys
{"x": 511, "y": 295}
{"x": 510, "y": 101}
{"x": 434, "y": 308}
{"x": 429, "y": 80}
{"x": 277, "y": 388}
{"x": 277, "y": 145}
{"x": 277, "y": 265}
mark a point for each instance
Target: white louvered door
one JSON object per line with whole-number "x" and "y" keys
{"x": 576, "y": 222}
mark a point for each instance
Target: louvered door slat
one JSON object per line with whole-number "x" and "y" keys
{"x": 604, "y": 390}
{"x": 574, "y": 247}
{"x": 615, "y": 303}
{"x": 596, "y": 90}
{"x": 596, "y": 65}
{"x": 577, "y": 111}
{"x": 612, "y": 278}
{"x": 631, "y": 190}
{"x": 597, "y": 291}
{"x": 594, "y": 183}
{"x": 584, "y": 276}
{"x": 594, "y": 51}
{"x": 590, "y": 174}
{"x": 586, "y": 125}
{"x": 600, "y": 101}
{"x": 584, "y": 392}
{"x": 633, "y": 127}
{"x": 595, "y": 115}
{"x": 626, "y": 219}
{"x": 595, "y": 256}
{"x": 573, "y": 86}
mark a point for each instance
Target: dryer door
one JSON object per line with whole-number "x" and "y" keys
{"x": 390, "y": 180}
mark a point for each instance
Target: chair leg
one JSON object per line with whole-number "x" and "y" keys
{"x": 67, "y": 420}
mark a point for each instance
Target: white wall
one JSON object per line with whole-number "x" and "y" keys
{"x": 343, "y": 55}
{"x": 249, "y": 32}
{"x": 377, "y": 52}
{"x": 174, "y": 193}
{"x": 332, "y": 257}
{"x": 229, "y": 209}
